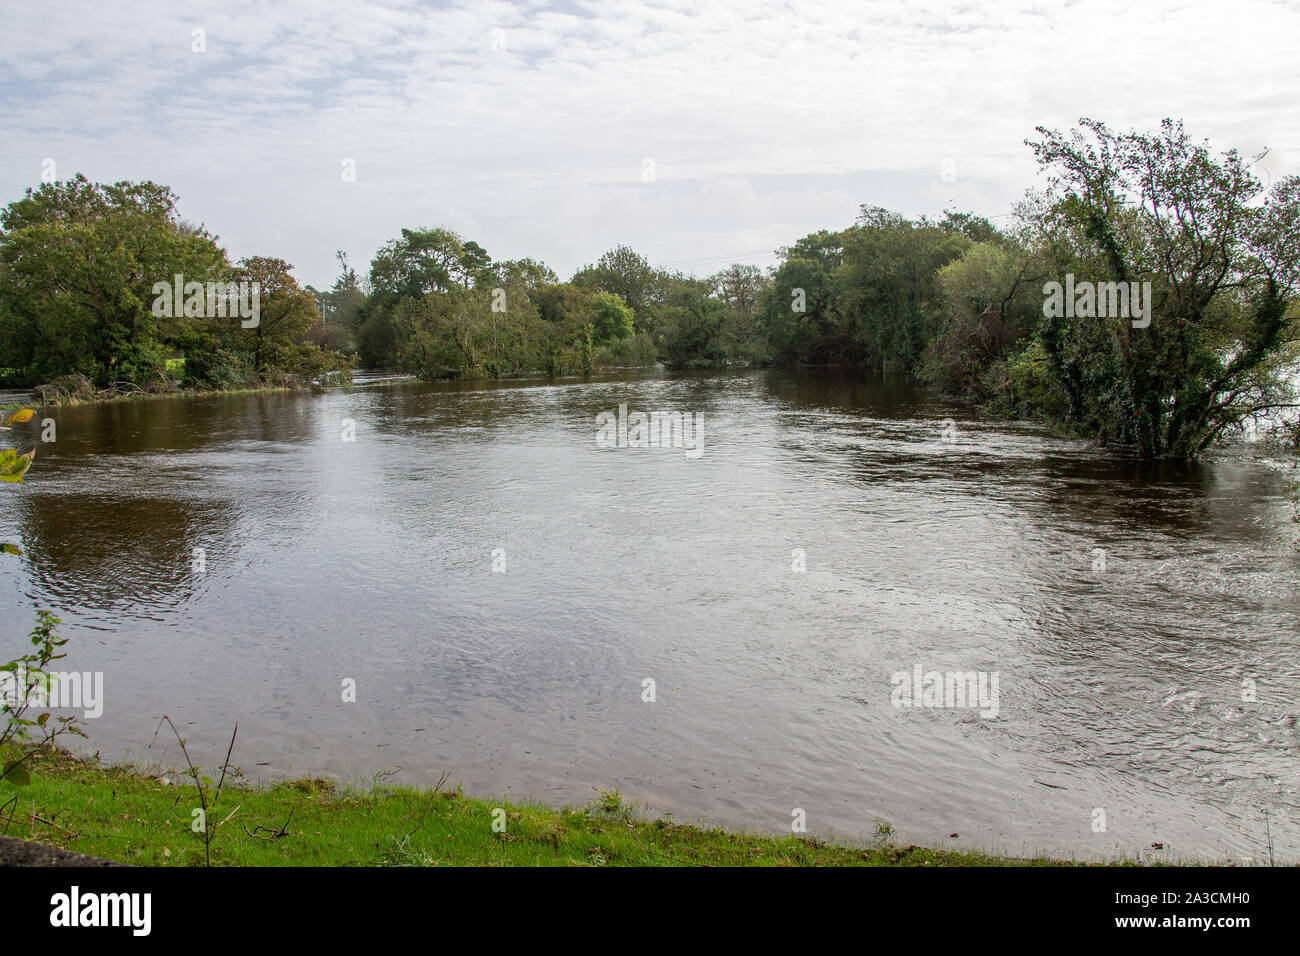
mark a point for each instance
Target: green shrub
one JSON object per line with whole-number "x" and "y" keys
{"x": 1023, "y": 385}
{"x": 635, "y": 351}
{"x": 23, "y": 732}
{"x": 214, "y": 368}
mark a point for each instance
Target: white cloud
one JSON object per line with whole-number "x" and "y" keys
{"x": 763, "y": 125}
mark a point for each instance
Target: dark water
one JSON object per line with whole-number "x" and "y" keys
{"x": 373, "y": 560}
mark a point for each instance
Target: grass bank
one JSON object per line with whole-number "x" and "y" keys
{"x": 143, "y": 818}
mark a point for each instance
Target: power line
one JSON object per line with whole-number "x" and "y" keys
{"x": 725, "y": 259}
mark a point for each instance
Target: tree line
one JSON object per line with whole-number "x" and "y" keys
{"x": 956, "y": 302}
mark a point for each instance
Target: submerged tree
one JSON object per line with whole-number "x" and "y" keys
{"x": 1223, "y": 264}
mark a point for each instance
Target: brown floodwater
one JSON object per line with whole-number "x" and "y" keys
{"x": 960, "y": 546}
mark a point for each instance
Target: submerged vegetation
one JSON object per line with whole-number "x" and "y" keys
{"x": 1211, "y": 258}
{"x": 1183, "y": 331}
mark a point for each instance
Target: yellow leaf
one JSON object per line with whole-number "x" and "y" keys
{"x": 13, "y": 466}
{"x": 22, "y": 415}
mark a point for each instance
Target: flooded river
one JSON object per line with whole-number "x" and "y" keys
{"x": 730, "y": 633}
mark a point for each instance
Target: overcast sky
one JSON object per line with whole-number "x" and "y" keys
{"x": 534, "y": 127}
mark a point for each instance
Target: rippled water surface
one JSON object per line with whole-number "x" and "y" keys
{"x": 1120, "y": 688}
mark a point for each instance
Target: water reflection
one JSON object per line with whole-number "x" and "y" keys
{"x": 1122, "y": 687}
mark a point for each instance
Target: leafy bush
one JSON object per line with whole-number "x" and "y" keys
{"x": 635, "y": 351}
{"x": 1023, "y": 385}
{"x": 214, "y": 368}
{"x": 22, "y": 734}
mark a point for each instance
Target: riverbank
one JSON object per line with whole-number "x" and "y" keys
{"x": 143, "y": 396}
{"x": 20, "y": 399}
{"x": 143, "y": 817}
{"x": 13, "y": 400}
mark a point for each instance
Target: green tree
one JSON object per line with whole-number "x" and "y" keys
{"x": 975, "y": 228}
{"x": 692, "y": 336}
{"x": 287, "y": 312}
{"x": 799, "y": 311}
{"x": 1222, "y": 257}
{"x": 421, "y": 261}
{"x": 454, "y": 333}
{"x": 626, "y": 274}
{"x": 340, "y": 308}
{"x": 991, "y": 302}
{"x": 527, "y": 274}
{"x": 611, "y": 318}
{"x": 741, "y": 289}
{"x": 887, "y": 292}
{"x": 78, "y": 263}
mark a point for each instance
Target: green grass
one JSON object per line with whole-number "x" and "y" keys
{"x": 133, "y": 816}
